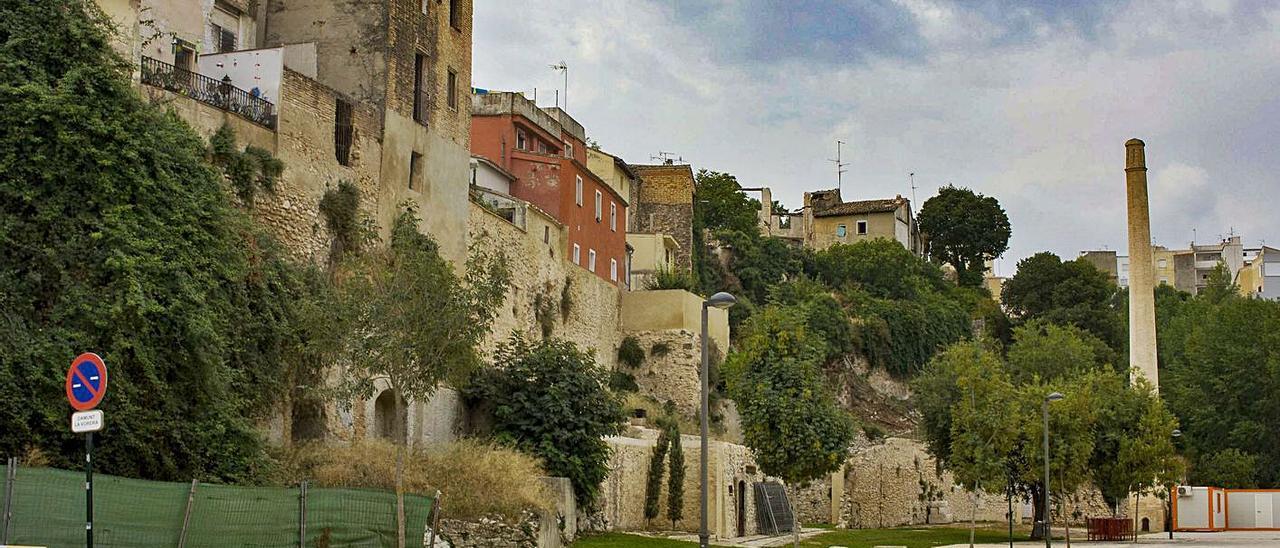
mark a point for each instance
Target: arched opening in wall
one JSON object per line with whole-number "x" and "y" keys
{"x": 308, "y": 418}
{"x": 1146, "y": 525}
{"x": 742, "y": 508}
{"x": 386, "y": 424}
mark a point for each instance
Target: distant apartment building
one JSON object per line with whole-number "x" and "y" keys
{"x": 1260, "y": 277}
{"x": 1193, "y": 266}
{"x": 545, "y": 149}
{"x": 828, "y": 220}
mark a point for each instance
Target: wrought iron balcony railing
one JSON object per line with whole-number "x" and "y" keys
{"x": 219, "y": 93}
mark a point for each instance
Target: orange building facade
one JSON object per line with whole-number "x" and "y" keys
{"x": 546, "y": 150}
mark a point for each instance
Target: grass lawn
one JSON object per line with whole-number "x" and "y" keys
{"x": 912, "y": 537}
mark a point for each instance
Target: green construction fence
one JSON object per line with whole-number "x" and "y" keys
{"x": 46, "y": 507}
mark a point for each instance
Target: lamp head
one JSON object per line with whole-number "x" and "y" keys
{"x": 1176, "y": 433}
{"x": 1054, "y": 396}
{"x": 721, "y": 300}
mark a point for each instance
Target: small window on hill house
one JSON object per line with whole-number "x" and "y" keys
{"x": 599, "y": 206}
{"x": 568, "y": 150}
{"x": 591, "y": 260}
{"x": 577, "y": 191}
{"x": 415, "y": 169}
{"x": 342, "y": 129}
{"x": 613, "y": 216}
{"x": 420, "y": 88}
{"x": 453, "y": 89}
{"x": 543, "y": 148}
{"x": 546, "y": 234}
{"x": 577, "y": 254}
{"x": 840, "y": 231}
{"x": 862, "y": 227}
{"x": 613, "y": 270}
{"x": 522, "y": 141}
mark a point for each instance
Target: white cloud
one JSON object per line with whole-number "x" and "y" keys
{"x": 1039, "y": 122}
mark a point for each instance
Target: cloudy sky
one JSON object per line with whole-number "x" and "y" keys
{"x": 1030, "y": 102}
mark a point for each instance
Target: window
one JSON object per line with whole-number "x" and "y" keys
{"x": 184, "y": 55}
{"x": 224, "y": 39}
{"x": 862, "y": 227}
{"x": 546, "y": 234}
{"x": 840, "y": 231}
{"x": 1164, "y": 280}
{"x": 342, "y": 128}
{"x": 577, "y": 192}
{"x": 1163, "y": 263}
{"x": 452, "y": 91}
{"x": 591, "y": 260}
{"x": 542, "y": 147}
{"x": 613, "y": 216}
{"x": 224, "y": 26}
{"x": 415, "y": 168}
{"x": 577, "y": 254}
{"x": 599, "y": 206}
{"x": 667, "y": 260}
{"x": 613, "y": 270}
{"x": 522, "y": 141}
{"x": 455, "y": 14}
{"x": 568, "y": 150}
{"x": 420, "y": 88}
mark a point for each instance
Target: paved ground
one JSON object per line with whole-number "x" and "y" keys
{"x": 1240, "y": 539}
{"x": 756, "y": 541}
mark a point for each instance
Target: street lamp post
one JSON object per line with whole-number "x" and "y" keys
{"x": 1048, "y": 529}
{"x": 1175, "y": 434}
{"x": 722, "y": 301}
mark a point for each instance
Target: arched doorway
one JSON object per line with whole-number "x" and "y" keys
{"x": 386, "y": 424}
{"x": 1146, "y": 525}
{"x": 742, "y": 508}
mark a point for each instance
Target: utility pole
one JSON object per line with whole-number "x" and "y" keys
{"x": 839, "y": 165}
{"x": 563, "y": 68}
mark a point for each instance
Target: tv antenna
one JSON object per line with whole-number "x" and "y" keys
{"x": 563, "y": 68}
{"x": 912, "y": 176}
{"x": 665, "y": 157}
{"x": 839, "y": 165}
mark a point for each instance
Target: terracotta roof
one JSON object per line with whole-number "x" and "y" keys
{"x": 861, "y": 207}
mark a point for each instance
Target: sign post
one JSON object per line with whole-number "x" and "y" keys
{"x": 86, "y": 385}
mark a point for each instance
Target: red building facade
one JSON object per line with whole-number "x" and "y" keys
{"x": 546, "y": 150}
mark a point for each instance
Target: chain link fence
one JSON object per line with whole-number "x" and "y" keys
{"x": 45, "y": 507}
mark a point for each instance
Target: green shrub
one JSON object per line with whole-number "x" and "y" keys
{"x": 653, "y": 484}
{"x": 623, "y": 382}
{"x": 551, "y": 400}
{"x": 671, "y": 278}
{"x": 630, "y": 353}
{"x": 675, "y": 476}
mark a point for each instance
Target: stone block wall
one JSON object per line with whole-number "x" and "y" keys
{"x": 539, "y": 275}
{"x": 664, "y": 204}
{"x": 670, "y": 375}
{"x": 490, "y": 532}
{"x": 622, "y": 492}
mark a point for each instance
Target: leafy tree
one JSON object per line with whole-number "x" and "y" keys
{"x": 630, "y": 353}
{"x": 551, "y": 401}
{"x": 404, "y": 317}
{"x": 1220, "y": 285}
{"x": 118, "y": 236}
{"x": 1067, "y": 293}
{"x": 881, "y": 267}
{"x": 790, "y": 420}
{"x": 1226, "y": 353}
{"x": 1133, "y": 439}
{"x": 249, "y": 170}
{"x": 1050, "y": 352}
{"x": 1230, "y": 468}
{"x": 721, "y": 205}
{"x": 964, "y": 229}
{"x": 675, "y": 480}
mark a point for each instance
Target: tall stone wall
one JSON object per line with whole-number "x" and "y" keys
{"x": 539, "y": 276}
{"x": 665, "y": 204}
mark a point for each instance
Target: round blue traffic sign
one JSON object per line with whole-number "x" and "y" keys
{"x": 86, "y": 381}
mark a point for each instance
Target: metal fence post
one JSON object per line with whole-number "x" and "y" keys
{"x": 302, "y": 514}
{"x": 11, "y": 474}
{"x": 186, "y": 516}
{"x": 434, "y": 519}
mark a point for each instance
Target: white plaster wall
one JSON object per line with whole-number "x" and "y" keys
{"x": 258, "y": 69}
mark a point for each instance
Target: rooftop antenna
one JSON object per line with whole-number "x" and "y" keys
{"x": 563, "y": 68}
{"x": 665, "y": 157}
{"x": 912, "y": 175}
{"x": 839, "y": 166}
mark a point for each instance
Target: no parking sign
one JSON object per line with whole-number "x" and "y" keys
{"x": 86, "y": 381}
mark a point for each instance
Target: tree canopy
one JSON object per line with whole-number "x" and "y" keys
{"x": 964, "y": 229}
{"x": 1067, "y": 293}
{"x": 119, "y": 237}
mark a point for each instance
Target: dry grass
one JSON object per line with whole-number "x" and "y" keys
{"x": 475, "y": 478}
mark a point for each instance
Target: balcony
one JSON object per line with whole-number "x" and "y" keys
{"x": 218, "y": 93}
